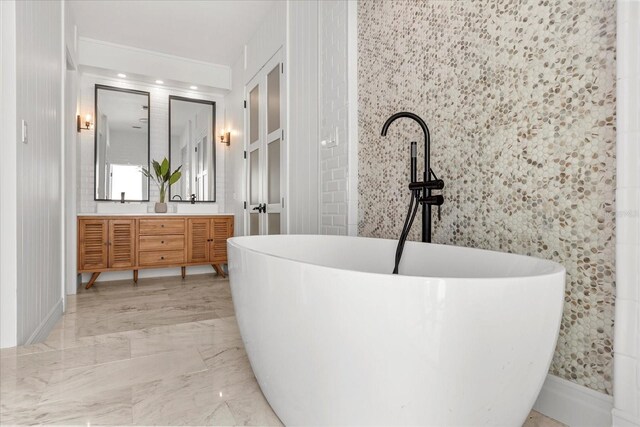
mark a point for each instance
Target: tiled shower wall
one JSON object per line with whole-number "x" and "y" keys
{"x": 333, "y": 111}
{"x": 520, "y": 100}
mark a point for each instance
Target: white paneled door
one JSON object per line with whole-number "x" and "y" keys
{"x": 266, "y": 162}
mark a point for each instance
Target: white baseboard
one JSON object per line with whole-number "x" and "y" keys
{"x": 42, "y": 332}
{"x": 621, "y": 419}
{"x": 573, "y": 404}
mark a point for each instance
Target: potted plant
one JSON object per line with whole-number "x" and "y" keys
{"x": 163, "y": 180}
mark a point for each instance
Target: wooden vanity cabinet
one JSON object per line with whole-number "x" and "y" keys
{"x": 106, "y": 243}
{"x": 207, "y": 241}
{"x": 112, "y": 243}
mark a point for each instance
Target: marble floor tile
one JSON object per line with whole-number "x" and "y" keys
{"x": 536, "y": 419}
{"x": 165, "y": 352}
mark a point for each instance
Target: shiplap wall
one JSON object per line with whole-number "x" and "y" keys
{"x": 39, "y": 205}
{"x": 234, "y": 156}
{"x": 8, "y": 177}
{"x": 302, "y": 72}
{"x": 159, "y": 127}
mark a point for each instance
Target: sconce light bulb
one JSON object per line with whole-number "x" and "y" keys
{"x": 87, "y": 117}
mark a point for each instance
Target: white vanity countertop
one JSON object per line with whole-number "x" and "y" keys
{"x": 152, "y": 214}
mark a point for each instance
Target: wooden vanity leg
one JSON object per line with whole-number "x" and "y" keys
{"x": 218, "y": 270}
{"x": 94, "y": 276}
{"x": 184, "y": 271}
{"x": 135, "y": 276}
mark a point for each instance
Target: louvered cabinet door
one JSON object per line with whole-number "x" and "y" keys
{"x": 122, "y": 237}
{"x": 93, "y": 239}
{"x": 197, "y": 240}
{"x": 221, "y": 230}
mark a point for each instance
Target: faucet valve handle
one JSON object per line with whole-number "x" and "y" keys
{"x": 439, "y": 216}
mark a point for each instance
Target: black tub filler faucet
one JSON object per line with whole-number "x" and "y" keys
{"x": 420, "y": 190}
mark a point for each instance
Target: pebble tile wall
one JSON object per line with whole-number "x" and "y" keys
{"x": 520, "y": 100}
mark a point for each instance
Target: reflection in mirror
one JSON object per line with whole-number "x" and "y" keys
{"x": 192, "y": 146}
{"x": 121, "y": 144}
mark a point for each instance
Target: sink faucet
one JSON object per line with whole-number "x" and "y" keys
{"x": 178, "y": 196}
{"x": 193, "y": 198}
{"x": 420, "y": 190}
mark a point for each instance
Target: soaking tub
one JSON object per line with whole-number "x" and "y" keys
{"x": 462, "y": 337}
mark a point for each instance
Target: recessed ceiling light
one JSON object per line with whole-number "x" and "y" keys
{"x": 160, "y": 82}
{"x": 193, "y": 87}
{"x": 122, "y": 76}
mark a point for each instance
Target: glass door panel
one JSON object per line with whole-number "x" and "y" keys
{"x": 254, "y": 114}
{"x": 274, "y": 223}
{"x": 273, "y": 171}
{"x": 273, "y": 96}
{"x": 254, "y": 177}
{"x": 254, "y": 224}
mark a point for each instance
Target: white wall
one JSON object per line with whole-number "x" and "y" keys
{"x": 626, "y": 391}
{"x": 8, "y": 177}
{"x": 302, "y": 72}
{"x": 159, "y": 117}
{"x": 334, "y": 115}
{"x": 38, "y": 199}
{"x": 234, "y": 153}
{"x": 130, "y": 60}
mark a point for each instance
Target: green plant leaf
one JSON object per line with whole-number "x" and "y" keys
{"x": 175, "y": 177}
{"x": 146, "y": 173}
{"x": 156, "y": 168}
{"x": 164, "y": 168}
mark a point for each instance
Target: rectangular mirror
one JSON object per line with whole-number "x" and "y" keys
{"x": 121, "y": 144}
{"x": 192, "y": 145}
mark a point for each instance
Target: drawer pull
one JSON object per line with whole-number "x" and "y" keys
{"x": 162, "y": 225}
{"x": 161, "y": 257}
{"x": 162, "y": 241}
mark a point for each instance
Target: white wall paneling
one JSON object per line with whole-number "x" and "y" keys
{"x": 302, "y": 93}
{"x": 626, "y": 381}
{"x": 352, "y": 87}
{"x": 70, "y": 146}
{"x": 8, "y": 177}
{"x": 234, "y": 156}
{"x": 39, "y": 92}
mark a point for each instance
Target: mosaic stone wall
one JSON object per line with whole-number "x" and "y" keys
{"x": 520, "y": 100}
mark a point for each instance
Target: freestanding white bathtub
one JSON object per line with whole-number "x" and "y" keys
{"x": 462, "y": 337}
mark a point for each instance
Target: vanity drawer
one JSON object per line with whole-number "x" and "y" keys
{"x": 161, "y": 243}
{"x": 161, "y": 257}
{"x": 161, "y": 226}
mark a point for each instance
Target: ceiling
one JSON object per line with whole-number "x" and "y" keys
{"x": 213, "y": 31}
{"x": 124, "y": 110}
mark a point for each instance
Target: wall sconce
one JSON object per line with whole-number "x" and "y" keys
{"x": 225, "y": 138}
{"x": 88, "y": 124}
